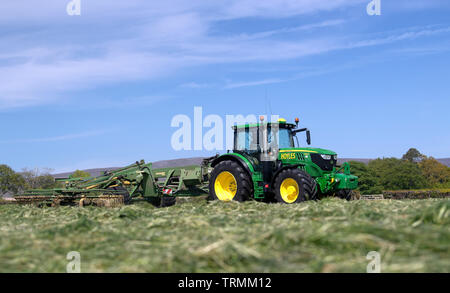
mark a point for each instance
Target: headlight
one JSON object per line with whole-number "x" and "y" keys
{"x": 326, "y": 157}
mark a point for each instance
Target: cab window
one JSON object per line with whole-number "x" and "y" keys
{"x": 246, "y": 139}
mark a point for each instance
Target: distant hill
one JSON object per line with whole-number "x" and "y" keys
{"x": 158, "y": 164}
{"x": 444, "y": 161}
{"x": 197, "y": 161}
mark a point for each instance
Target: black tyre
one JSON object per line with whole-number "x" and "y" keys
{"x": 229, "y": 181}
{"x": 167, "y": 201}
{"x": 155, "y": 201}
{"x": 344, "y": 194}
{"x": 294, "y": 186}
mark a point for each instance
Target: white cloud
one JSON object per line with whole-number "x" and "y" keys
{"x": 399, "y": 37}
{"x": 232, "y": 85}
{"x": 159, "y": 39}
{"x": 283, "y": 8}
{"x": 48, "y": 11}
{"x": 38, "y": 80}
{"x": 196, "y": 85}
{"x": 306, "y": 27}
{"x": 302, "y": 74}
{"x": 58, "y": 138}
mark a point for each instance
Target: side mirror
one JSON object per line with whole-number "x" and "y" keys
{"x": 308, "y": 137}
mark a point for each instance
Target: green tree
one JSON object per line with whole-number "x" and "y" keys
{"x": 10, "y": 181}
{"x": 80, "y": 174}
{"x": 46, "y": 182}
{"x": 394, "y": 174}
{"x": 413, "y": 155}
{"x": 39, "y": 179}
{"x": 436, "y": 174}
{"x": 367, "y": 180}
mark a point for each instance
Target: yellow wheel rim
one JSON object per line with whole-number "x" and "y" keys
{"x": 225, "y": 186}
{"x": 289, "y": 190}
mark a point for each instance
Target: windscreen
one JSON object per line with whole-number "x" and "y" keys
{"x": 285, "y": 138}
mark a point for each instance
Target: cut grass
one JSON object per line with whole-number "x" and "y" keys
{"x": 195, "y": 236}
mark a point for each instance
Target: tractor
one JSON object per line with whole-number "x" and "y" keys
{"x": 268, "y": 164}
{"x": 265, "y": 165}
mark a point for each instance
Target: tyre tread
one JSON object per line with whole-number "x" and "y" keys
{"x": 242, "y": 177}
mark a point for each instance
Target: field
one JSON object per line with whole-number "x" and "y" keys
{"x": 331, "y": 235}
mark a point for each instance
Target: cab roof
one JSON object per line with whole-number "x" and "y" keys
{"x": 282, "y": 124}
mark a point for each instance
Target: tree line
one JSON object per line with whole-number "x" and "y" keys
{"x": 12, "y": 182}
{"x": 413, "y": 171}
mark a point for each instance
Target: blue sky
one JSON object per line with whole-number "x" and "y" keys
{"x": 100, "y": 89}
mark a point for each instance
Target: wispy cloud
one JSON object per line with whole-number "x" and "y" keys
{"x": 298, "y": 76}
{"x": 160, "y": 40}
{"x": 410, "y": 35}
{"x": 196, "y": 85}
{"x": 306, "y": 27}
{"x": 233, "y": 85}
{"x": 388, "y": 39}
{"x": 420, "y": 51}
{"x": 282, "y": 8}
{"x": 58, "y": 138}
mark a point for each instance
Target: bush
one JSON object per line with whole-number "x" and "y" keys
{"x": 80, "y": 174}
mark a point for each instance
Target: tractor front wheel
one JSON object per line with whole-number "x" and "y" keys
{"x": 229, "y": 181}
{"x": 294, "y": 186}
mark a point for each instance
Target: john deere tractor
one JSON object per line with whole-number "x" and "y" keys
{"x": 268, "y": 164}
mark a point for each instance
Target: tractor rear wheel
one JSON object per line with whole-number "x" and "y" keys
{"x": 229, "y": 181}
{"x": 294, "y": 186}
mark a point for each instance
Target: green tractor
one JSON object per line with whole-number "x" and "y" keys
{"x": 268, "y": 164}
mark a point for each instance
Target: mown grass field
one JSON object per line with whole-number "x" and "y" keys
{"x": 331, "y": 235}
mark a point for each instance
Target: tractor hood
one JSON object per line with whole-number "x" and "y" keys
{"x": 309, "y": 150}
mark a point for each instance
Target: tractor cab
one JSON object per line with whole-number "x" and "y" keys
{"x": 267, "y": 137}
